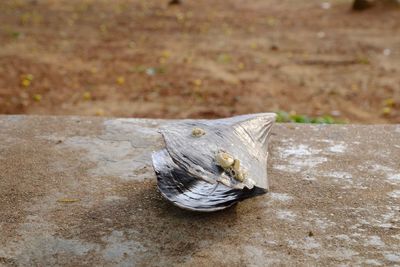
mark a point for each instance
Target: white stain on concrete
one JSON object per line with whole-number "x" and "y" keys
{"x": 280, "y": 197}
{"x": 310, "y": 162}
{"x": 375, "y": 241}
{"x": 339, "y": 175}
{"x": 338, "y": 148}
{"x": 307, "y": 243}
{"x": 324, "y": 223}
{"x": 384, "y": 225}
{"x": 373, "y": 262}
{"x": 287, "y": 168}
{"x": 310, "y": 243}
{"x": 392, "y": 257}
{"x": 380, "y": 168}
{"x": 340, "y": 254}
{"x": 394, "y": 177}
{"x": 391, "y": 175}
{"x": 299, "y": 157}
{"x": 297, "y": 164}
{"x": 286, "y": 215}
{"x": 343, "y": 238}
{"x": 343, "y": 254}
{"x": 115, "y": 198}
{"x": 389, "y": 215}
{"x": 319, "y": 220}
{"x": 298, "y": 151}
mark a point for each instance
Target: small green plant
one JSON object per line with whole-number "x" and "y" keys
{"x": 283, "y": 116}
{"x": 16, "y": 34}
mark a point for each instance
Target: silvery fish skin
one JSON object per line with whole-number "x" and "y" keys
{"x": 188, "y": 172}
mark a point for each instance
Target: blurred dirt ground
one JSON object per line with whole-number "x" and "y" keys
{"x": 206, "y": 58}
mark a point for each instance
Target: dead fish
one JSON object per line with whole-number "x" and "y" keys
{"x": 209, "y": 165}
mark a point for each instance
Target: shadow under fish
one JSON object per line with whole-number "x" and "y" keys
{"x": 209, "y": 165}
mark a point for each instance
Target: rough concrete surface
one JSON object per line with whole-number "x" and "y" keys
{"x": 80, "y": 191}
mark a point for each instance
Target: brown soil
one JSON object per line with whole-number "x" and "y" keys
{"x": 199, "y": 59}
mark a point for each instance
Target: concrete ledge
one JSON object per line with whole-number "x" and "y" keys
{"x": 81, "y": 191}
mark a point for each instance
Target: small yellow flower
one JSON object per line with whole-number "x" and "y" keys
{"x": 37, "y": 97}
{"x": 197, "y": 82}
{"x": 99, "y": 112}
{"x": 87, "y": 96}
{"x": 25, "y": 82}
{"x": 389, "y": 102}
{"x": 363, "y": 60}
{"x": 166, "y": 54}
{"x": 180, "y": 17}
{"x": 253, "y": 45}
{"x": 241, "y": 66}
{"x": 386, "y": 111}
{"x": 120, "y": 80}
{"x": 29, "y": 77}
